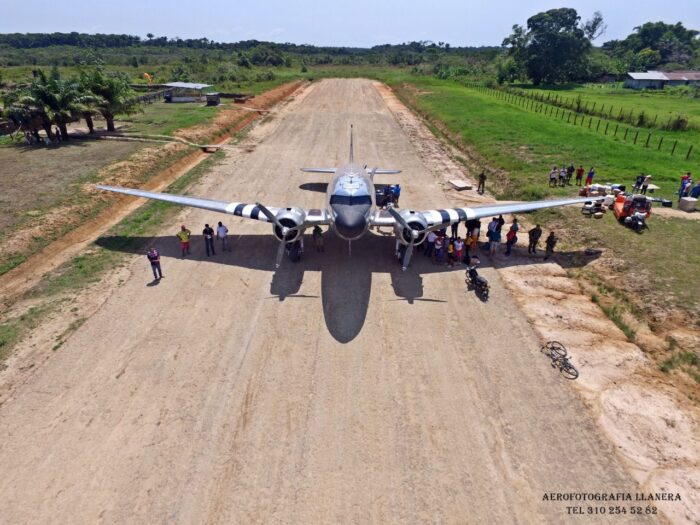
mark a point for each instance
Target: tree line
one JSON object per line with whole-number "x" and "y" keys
{"x": 51, "y": 100}
{"x": 557, "y": 46}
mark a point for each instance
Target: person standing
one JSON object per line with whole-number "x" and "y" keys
{"x": 482, "y": 183}
{"x": 222, "y": 233}
{"x": 562, "y": 176}
{"x": 430, "y": 246}
{"x": 491, "y": 231}
{"x": 496, "y": 235}
{"x": 553, "y": 177}
{"x": 512, "y": 236}
{"x": 570, "y": 173}
{"x": 396, "y": 191}
{"x": 638, "y": 183}
{"x": 579, "y": 175}
{"x": 208, "y": 233}
{"x": 589, "y": 178}
{"x": 534, "y": 236}
{"x": 154, "y": 259}
{"x": 645, "y": 184}
{"x": 318, "y": 238}
{"x": 454, "y": 229}
{"x": 459, "y": 250}
{"x": 550, "y": 243}
{"x": 184, "y": 236}
{"x": 439, "y": 245}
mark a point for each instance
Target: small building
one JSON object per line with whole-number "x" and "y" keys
{"x": 648, "y": 80}
{"x": 186, "y": 92}
{"x": 683, "y": 78}
{"x": 213, "y": 99}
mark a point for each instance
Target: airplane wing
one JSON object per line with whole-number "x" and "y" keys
{"x": 239, "y": 209}
{"x": 318, "y": 170}
{"x": 437, "y": 219}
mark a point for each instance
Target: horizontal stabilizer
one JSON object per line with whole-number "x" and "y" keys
{"x": 319, "y": 170}
{"x": 379, "y": 171}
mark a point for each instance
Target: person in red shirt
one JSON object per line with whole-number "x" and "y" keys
{"x": 579, "y": 175}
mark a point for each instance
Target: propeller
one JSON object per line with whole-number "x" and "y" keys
{"x": 414, "y": 235}
{"x": 284, "y": 230}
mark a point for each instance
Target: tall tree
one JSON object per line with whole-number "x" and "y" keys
{"x": 557, "y": 46}
{"x": 114, "y": 96}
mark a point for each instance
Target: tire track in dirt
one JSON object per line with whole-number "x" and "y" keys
{"x": 339, "y": 389}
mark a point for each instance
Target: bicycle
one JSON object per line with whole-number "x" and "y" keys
{"x": 558, "y": 354}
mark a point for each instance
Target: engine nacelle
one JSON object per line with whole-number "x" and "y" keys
{"x": 291, "y": 218}
{"x": 415, "y": 220}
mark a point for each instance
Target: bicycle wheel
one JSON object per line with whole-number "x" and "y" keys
{"x": 556, "y": 349}
{"x": 567, "y": 369}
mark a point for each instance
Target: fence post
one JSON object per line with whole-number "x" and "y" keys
{"x": 568, "y": 118}
{"x": 687, "y": 155}
{"x": 593, "y": 108}
{"x": 616, "y": 126}
{"x": 647, "y": 143}
{"x": 575, "y": 115}
{"x": 673, "y": 149}
{"x": 635, "y": 137}
{"x": 557, "y": 114}
{"x": 655, "y": 117}
{"x": 602, "y": 109}
{"x": 597, "y": 127}
{"x": 668, "y": 124}
{"x": 606, "y": 127}
{"x": 610, "y": 112}
{"x": 590, "y": 119}
{"x": 620, "y": 115}
{"x": 660, "y": 142}
{"x": 626, "y": 130}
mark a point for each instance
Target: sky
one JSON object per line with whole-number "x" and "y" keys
{"x": 357, "y": 23}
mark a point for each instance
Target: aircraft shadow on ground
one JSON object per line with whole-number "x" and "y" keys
{"x": 346, "y": 280}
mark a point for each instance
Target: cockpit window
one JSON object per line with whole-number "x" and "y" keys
{"x": 351, "y": 201}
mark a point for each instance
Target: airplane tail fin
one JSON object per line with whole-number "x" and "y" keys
{"x": 351, "y": 146}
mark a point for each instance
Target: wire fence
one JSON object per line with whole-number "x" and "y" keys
{"x": 611, "y": 127}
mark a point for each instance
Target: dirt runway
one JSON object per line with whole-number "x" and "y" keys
{"x": 339, "y": 390}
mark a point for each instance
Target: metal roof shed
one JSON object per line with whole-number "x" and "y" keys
{"x": 186, "y": 92}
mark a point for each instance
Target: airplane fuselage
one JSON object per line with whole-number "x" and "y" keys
{"x": 350, "y": 201}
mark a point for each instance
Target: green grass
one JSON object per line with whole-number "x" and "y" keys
{"x": 686, "y": 361}
{"x": 662, "y": 103}
{"x": 161, "y": 118}
{"x": 527, "y": 144}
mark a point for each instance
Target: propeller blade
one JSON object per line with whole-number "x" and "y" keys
{"x": 267, "y": 213}
{"x": 407, "y": 256}
{"x": 396, "y": 215}
{"x": 280, "y": 254}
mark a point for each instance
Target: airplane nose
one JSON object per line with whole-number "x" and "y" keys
{"x": 349, "y": 223}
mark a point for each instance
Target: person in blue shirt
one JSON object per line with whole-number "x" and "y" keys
{"x": 396, "y": 190}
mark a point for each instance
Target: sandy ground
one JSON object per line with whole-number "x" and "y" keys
{"x": 337, "y": 390}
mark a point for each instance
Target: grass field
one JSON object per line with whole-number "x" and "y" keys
{"x": 527, "y": 144}
{"x": 161, "y": 118}
{"x": 664, "y": 103}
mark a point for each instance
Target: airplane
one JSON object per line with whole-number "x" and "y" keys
{"x": 351, "y": 210}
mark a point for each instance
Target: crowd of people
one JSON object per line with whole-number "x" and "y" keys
{"x": 453, "y": 249}
{"x": 438, "y": 247}
{"x": 562, "y": 176}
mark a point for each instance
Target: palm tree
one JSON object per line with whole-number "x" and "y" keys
{"x": 112, "y": 92}
{"x": 56, "y": 100}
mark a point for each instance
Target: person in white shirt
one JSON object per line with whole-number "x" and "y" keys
{"x": 222, "y": 233}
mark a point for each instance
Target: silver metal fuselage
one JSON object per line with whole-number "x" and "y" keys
{"x": 350, "y": 201}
